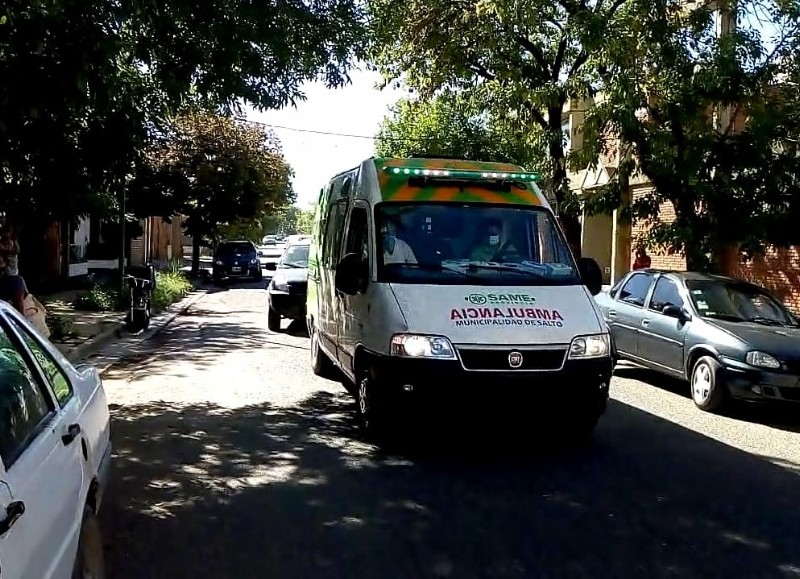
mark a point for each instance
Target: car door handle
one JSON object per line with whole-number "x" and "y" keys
{"x": 612, "y": 314}
{"x": 13, "y": 512}
{"x": 73, "y": 431}
{"x": 645, "y": 323}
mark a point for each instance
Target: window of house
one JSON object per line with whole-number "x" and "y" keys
{"x": 635, "y": 289}
{"x": 665, "y": 294}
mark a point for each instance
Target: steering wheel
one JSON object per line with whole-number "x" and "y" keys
{"x": 501, "y": 250}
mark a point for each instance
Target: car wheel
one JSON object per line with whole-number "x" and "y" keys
{"x": 90, "y": 560}
{"x": 321, "y": 365}
{"x": 708, "y": 384}
{"x": 273, "y": 320}
{"x": 371, "y": 409}
{"x": 259, "y": 275}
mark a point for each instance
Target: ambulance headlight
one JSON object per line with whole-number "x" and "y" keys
{"x": 594, "y": 346}
{"x": 414, "y": 346}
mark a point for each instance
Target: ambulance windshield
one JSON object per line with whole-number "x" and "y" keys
{"x": 476, "y": 244}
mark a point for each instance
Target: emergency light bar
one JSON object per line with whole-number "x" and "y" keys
{"x": 463, "y": 174}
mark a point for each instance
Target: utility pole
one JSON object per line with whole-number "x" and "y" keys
{"x": 121, "y": 260}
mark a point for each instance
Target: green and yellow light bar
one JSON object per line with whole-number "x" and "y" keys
{"x": 462, "y": 174}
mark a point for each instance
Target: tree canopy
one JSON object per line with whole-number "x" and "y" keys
{"x": 99, "y": 76}
{"x": 452, "y": 124}
{"x": 708, "y": 113}
{"x": 524, "y": 59}
{"x": 215, "y": 170}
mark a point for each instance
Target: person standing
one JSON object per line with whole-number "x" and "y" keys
{"x": 642, "y": 260}
{"x": 9, "y": 250}
{"x": 12, "y": 288}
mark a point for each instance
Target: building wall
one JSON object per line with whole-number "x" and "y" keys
{"x": 658, "y": 259}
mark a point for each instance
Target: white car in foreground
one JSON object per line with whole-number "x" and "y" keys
{"x": 55, "y": 453}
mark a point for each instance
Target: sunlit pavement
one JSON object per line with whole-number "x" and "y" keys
{"x": 233, "y": 460}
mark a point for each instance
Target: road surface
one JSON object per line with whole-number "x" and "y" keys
{"x": 233, "y": 460}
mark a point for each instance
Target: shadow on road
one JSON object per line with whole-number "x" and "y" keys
{"x": 263, "y": 491}
{"x": 783, "y": 416}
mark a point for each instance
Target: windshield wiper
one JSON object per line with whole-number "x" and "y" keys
{"x": 505, "y": 267}
{"x": 293, "y": 265}
{"x": 727, "y": 317}
{"x": 433, "y": 267}
{"x": 765, "y": 321}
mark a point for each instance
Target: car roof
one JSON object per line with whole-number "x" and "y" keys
{"x": 306, "y": 241}
{"x": 692, "y": 275}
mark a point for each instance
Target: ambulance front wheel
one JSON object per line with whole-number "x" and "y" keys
{"x": 371, "y": 407}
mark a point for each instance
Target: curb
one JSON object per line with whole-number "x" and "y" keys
{"x": 157, "y": 324}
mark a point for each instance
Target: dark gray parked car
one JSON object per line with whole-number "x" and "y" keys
{"x": 726, "y": 337}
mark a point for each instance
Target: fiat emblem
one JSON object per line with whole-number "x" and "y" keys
{"x": 515, "y": 359}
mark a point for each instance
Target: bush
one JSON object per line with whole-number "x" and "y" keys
{"x": 171, "y": 286}
{"x": 98, "y": 299}
{"x": 60, "y": 327}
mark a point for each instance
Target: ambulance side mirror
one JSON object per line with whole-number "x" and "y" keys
{"x": 591, "y": 275}
{"x": 351, "y": 275}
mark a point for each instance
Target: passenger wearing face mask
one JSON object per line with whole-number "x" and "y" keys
{"x": 491, "y": 247}
{"x": 395, "y": 250}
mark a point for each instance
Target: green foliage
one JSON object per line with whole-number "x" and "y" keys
{"x": 99, "y": 298}
{"x": 289, "y": 220}
{"x": 224, "y": 175}
{"x": 523, "y": 59}
{"x": 711, "y": 121}
{"x": 452, "y": 124}
{"x": 171, "y": 286}
{"x": 60, "y": 327}
{"x": 99, "y": 76}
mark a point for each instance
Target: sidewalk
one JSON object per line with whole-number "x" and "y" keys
{"x": 91, "y": 331}
{"x": 83, "y": 327}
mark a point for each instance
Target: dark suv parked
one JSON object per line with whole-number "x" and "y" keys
{"x": 236, "y": 260}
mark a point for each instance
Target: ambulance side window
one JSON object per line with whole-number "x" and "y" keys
{"x": 357, "y": 233}
{"x": 333, "y": 233}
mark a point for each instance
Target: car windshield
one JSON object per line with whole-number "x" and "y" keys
{"x": 232, "y": 248}
{"x": 296, "y": 257}
{"x": 471, "y": 244}
{"x": 737, "y": 302}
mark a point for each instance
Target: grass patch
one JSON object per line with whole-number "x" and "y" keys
{"x": 171, "y": 286}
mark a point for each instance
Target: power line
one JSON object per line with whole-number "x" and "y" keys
{"x": 297, "y": 130}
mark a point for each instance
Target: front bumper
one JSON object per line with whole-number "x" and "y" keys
{"x": 288, "y": 305}
{"x": 220, "y": 271}
{"x": 579, "y": 385}
{"x": 748, "y": 383}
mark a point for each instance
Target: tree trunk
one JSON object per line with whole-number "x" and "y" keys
{"x": 196, "y": 239}
{"x": 567, "y": 210}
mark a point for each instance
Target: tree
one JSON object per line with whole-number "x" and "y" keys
{"x": 451, "y": 124}
{"x": 100, "y": 76}
{"x": 524, "y": 58}
{"x": 711, "y": 120}
{"x": 289, "y": 220}
{"x": 215, "y": 170}
{"x": 305, "y": 220}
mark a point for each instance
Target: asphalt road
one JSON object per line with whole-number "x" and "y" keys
{"x": 233, "y": 460}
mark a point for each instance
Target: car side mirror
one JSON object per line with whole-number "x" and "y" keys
{"x": 271, "y": 266}
{"x": 676, "y": 312}
{"x": 351, "y": 274}
{"x": 591, "y": 275}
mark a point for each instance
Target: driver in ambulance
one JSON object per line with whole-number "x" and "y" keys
{"x": 490, "y": 247}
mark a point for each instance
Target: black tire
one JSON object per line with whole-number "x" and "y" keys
{"x": 259, "y": 275}
{"x": 707, "y": 384}
{"x": 372, "y": 409}
{"x": 321, "y": 365}
{"x": 90, "y": 558}
{"x": 578, "y": 428}
{"x": 217, "y": 281}
{"x": 273, "y": 320}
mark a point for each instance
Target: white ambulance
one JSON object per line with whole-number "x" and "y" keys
{"x": 443, "y": 281}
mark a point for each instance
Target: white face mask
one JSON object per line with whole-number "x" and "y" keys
{"x": 494, "y": 239}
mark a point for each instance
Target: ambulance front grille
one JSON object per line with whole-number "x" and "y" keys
{"x": 533, "y": 359}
